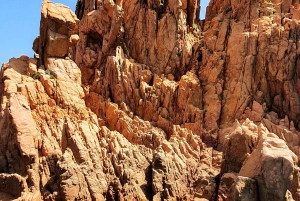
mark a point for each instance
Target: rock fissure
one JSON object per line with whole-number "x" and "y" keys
{"x": 156, "y": 104}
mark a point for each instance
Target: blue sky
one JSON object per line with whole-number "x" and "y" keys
{"x": 19, "y": 26}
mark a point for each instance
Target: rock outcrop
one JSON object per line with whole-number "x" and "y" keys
{"x": 139, "y": 100}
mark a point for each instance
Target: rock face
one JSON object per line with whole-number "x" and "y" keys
{"x": 138, "y": 100}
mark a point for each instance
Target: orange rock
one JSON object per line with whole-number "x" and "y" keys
{"x": 156, "y": 104}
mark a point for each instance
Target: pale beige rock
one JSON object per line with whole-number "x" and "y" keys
{"x": 57, "y": 24}
{"x": 27, "y": 134}
{"x": 272, "y": 165}
{"x": 238, "y": 145}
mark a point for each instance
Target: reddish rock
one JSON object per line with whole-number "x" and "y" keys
{"x": 244, "y": 188}
{"x": 138, "y": 100}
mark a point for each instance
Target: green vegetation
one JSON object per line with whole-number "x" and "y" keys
{"x": 195, "y": 27}
{"x": 36, "y": 75}
{"x": 270, "y": 8}
{"x": 154, "y": 95}
{"x": 268, "y": 2}
{"x": 48, "y": 72}
{"x": 179, "y": 53}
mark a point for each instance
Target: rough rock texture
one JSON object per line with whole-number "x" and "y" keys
{"x": 138, "y": 100}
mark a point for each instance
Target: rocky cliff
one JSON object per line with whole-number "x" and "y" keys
{"x": 139, "y": 100}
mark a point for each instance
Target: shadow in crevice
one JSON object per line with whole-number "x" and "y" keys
{"x": 147, "y": 188}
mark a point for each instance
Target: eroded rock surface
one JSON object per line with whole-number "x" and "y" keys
{"x": 138, "y": 100}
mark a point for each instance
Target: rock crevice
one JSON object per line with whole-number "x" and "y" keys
{"x": 139, "y": 100}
